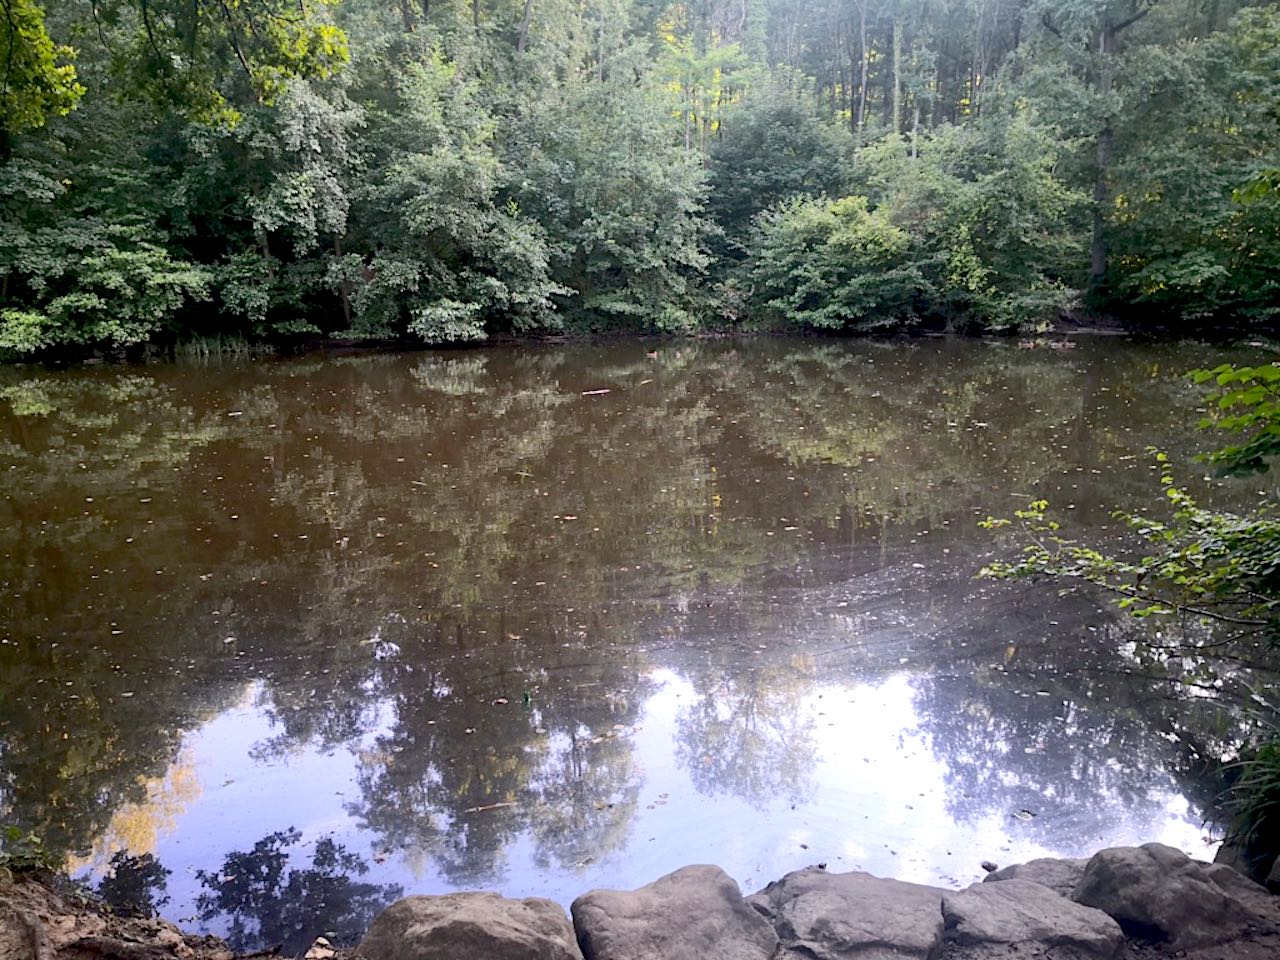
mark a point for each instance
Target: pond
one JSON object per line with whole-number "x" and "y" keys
{"x": 538, "y": 619}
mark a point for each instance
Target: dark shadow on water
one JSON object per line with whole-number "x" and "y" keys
{"x": 135, "y": 886}
{"x": 259, "y": 900}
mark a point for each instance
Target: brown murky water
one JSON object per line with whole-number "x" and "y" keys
{"x": 545, "y": 619}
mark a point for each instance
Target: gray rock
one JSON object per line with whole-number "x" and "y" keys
{"x": 696, "y": 913}
{"x": 1273, "y": 878}
{"x": 1060, "y": 876}
{"x": 1233, "y": 855}
{"x": 1022, "y": 918}
{"x": 1256, "y": 864}
{"x": 853, "y": 916}
{"x": 462, "y": 926}
{"x": 1159, "y": 893}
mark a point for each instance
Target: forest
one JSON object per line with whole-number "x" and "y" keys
{"x": 213, "y": 172}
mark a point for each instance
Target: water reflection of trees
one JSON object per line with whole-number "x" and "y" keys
{"x": 264, "y": 901}
{"x": 747, "y": 731}
{"x": 487, "y": 742}
{"x": 746, "y": 735}
{"x": 1076, "y": 725}
{"x": 400, "y": 543}
{"x": 135, "y": 886}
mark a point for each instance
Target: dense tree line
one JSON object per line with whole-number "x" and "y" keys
{"x": 447, "y": 169}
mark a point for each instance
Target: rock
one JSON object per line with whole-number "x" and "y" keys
{"x": 1233, "y": 855}
{"x": 1273, "y": 878}
{"x": 1253, "y": 860}
{"x": 1159, "y": 893}
{"x": 1022, "y": 918}
{"x": 1060, "y": 876}
{"x": 696, "y": 913}
{"x": 988, "y": 866}
{"x": 459, "y": 926}
{"x": 320, "y": 949}
{"x": 43, "y": 917}
{"x": 852, "y": 916}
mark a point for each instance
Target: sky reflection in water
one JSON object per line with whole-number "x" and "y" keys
{"x": 462, "y": 621}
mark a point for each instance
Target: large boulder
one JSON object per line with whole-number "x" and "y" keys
{"x": 1159, "y": 893}
{"x": 696, "y": 913}
{"x": 462, "y": 926}
{"x": 1020, "y": 918}
{"x": 1060, "y": 876}
{"x": 853, "y": 916}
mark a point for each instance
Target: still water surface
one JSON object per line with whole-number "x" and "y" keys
{"x": 312, "y": 632}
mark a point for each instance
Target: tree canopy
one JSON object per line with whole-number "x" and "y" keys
{"x": 447, "y": 170}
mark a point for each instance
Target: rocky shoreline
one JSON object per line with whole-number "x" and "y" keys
{"x": 1124, "y": 903}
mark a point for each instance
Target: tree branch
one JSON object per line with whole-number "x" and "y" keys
{"x": 1130, "y": 21}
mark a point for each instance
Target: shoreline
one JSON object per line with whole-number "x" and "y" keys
{"x": 1123, "y": 903}
{"x": 1059, "y": 336}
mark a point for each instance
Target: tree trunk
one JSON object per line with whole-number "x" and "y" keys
{"x": 886, "y": 81}
{"x": 344, "y": 288}
{"x": 897, "y": 75}
{"x": 860, "y": 111}
{"x": 844, "y": 60}
{"x": 406, "y": 15}
{"x": 1102, "y": 162}
{"x": 1098, "y": 247}
{"x": 525, "y": 23}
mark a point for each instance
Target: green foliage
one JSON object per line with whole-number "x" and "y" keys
{"x": 620, "y": 200}
{"x": 992, "y": 218}
{"x": 1248, "y": 402}
{"x": 1218, "y": 567}
{"x": 833, "y": 265}
{"x": 1221, "y": 566}
{"x": 84, "y": 259}
{"x": 775, "y": 145}
{"x": 284, "y": 179}
{"x": 118, "y": 296}
{"x": 23, "y": 852}
{"x": 964, "y": 228}
{"x": 209, "y": 60}
{"x": 443, "y": 256}
{"x": 25, "y": 331}
{"x": 1253, "y": 802}
{"x": 37, "y": 81}
{"x": 442, "y": 171}
{"x": 1196, "y": 214}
